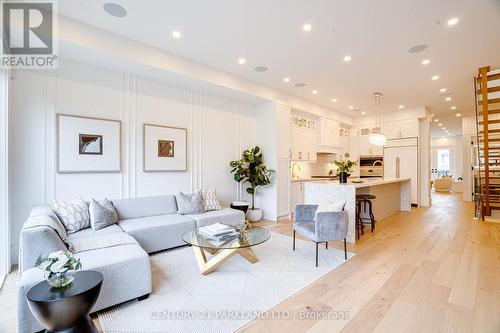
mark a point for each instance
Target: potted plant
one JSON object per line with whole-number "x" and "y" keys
{"x": 59, "y": 268}
{"x": 344, "y": 167}
{"x": 251, "y": 169}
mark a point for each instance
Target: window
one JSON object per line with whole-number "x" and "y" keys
{"x": 443, "y": 162}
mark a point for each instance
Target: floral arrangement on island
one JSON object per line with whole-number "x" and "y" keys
{"x": 59, "y": 268}
{"x": 344, "y": 167}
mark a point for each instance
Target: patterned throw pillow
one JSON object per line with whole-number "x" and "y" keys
{"x": 74, "y": 215}
{"x": 210, "y": 201}
{"x": 102, "y": 214}
{"x": 189, "y": 203}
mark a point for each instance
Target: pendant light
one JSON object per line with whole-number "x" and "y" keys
{"x": 377, "y": 138}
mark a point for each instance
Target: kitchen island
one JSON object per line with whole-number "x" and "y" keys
{"x": 393, "y": 195}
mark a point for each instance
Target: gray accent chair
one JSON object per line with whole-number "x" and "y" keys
{"x": 328, "y": 226}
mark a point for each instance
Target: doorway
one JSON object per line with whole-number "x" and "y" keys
{"x": 441, "y": 162}
{"x": 4, "y": 171}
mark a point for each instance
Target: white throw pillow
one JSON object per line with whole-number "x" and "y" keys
{"x": 74, "y": 215}
{"x": 102, "y": 214}
{"x": 210, "y": 201}
{"x": 329, "y": 206}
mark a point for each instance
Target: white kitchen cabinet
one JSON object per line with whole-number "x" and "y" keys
{"x": 400, "y": 129}
{"x": 303, "y": 139}
{"x": 297, "y": 195}
{"x": 283, "y": 188}
{"x": 283, "y": 131}
{"x": 368, "y": 149}
{"x": 329, "y": 133}
{"x": 402, "y": 162}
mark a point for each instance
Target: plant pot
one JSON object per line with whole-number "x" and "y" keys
{"x": 343, "y": 177}
{"x": 61, "y": 280}
{"x": 254, "y": 215}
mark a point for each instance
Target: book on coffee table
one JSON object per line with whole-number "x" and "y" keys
{"x": 219, "y": 232}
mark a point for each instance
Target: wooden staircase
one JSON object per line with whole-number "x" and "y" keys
{"x": 487, "y": 90}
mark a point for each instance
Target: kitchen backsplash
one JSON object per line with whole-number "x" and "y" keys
{"x": 321, "y": 167}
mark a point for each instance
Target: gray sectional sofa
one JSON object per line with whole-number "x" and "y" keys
{"x": 154, "y": 224}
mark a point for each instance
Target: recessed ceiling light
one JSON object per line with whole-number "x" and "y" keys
{"x": 451, "y": 22}
{"x": 448, "y": 99}
{"x": 435, "y": 77}
{"x": 300, "y": 85}
{"x": 436, "y": 120}
{"x": 260, "y": 69}
{"x": 286, "y": 79}
{"x": 449, "y": 134}
{"x": 242, "y": 61}
{"x": 440, "y": 124}
{"x": 307, "y": 27}
{"x": 444, "y": 128}
{"x": 114, "y": 9}
{"x": 432, "y": 115}
{"x": 176, "y": 34}
{"x": 426, "y": 62}
{"x": 442, "y": 90}
{"x": 334, "y": 100}
{"x": 458, "y": 115}
{"x": 351, "y": 107}
{"x": 401, "y": 106}
{"x": 347, "y": 58}
{"x": 453, "y": 107}
{"x": 314, "y": 92}
{"x": 417, "y": 48}
{"x": 363, "y": 113}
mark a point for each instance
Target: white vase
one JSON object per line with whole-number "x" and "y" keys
{"x": 254, "y": 215}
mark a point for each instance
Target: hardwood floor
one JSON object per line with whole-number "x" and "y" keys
{"x": 430, "y": 270}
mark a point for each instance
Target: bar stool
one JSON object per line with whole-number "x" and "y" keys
{"x": 363, "y": 201}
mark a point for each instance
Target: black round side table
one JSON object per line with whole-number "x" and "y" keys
{"x": 66, "y": 309}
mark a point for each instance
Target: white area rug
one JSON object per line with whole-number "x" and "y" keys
{"x": 183, "y": 300}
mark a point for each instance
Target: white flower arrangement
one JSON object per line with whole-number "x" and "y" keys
{"x": 58, "y": 263}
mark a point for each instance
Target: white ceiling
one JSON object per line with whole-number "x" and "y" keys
{"x": 377, "y": 35}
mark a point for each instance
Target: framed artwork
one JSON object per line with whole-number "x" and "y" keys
{"x": 165, "y": 148}
{"x": 86, "y": 144}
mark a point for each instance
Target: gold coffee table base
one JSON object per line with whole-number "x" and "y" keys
{"x": 219, "y": 257}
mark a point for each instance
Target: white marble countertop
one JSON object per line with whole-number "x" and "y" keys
{"x": 366, "y": 182}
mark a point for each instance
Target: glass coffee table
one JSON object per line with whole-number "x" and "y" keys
{"x": 222, "y": 251}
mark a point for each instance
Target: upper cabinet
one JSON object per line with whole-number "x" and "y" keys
{"x": 400, "y": 129}
{"x": 329, "y": 133}
{"x": 302, "y": 139}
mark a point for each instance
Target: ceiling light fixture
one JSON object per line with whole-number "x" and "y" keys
{"x": 307, "y": 27}
{"x": 363, "y": 113}
{"x": 377, "y": 138}
{"x": 436, "y": 120}
{"x": 242, "y": 61}
{"x": 334, "y": 100}
{"x": 347, "y": 58}
{"x": 432, "y": 115}
{"x": 315, "y": 92}
{"x": 442, "y": 90}
{"x": 401, "y": 106}
{"x": 286, "y": 79}
{"x": 448, "y": 99}
{"x": 176, "y": 34}
{"x": 440, "y": 124}
{"x": 458, "y": 115}
{"x": 114, "y": 9}
{"x": 451, "y": 22}
{"x": 435, "y": 77}
{"x": 444, "y": 128}
{"x": 453, "y": 107}
{"x": 351, "y": 107}
{"x": 426, "y": 62}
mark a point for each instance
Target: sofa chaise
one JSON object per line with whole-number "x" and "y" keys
{"x": 152, "y": 223}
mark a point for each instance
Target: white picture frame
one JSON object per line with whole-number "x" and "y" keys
{"x": 87, "y": 144}
{"x": 165, "y": 148}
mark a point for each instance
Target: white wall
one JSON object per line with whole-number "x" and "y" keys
{"x": 456, "y": 145}
{"x": 4, "y": 184}
{"x": 218, "y": 130}
{"x": 468, "y": 130}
